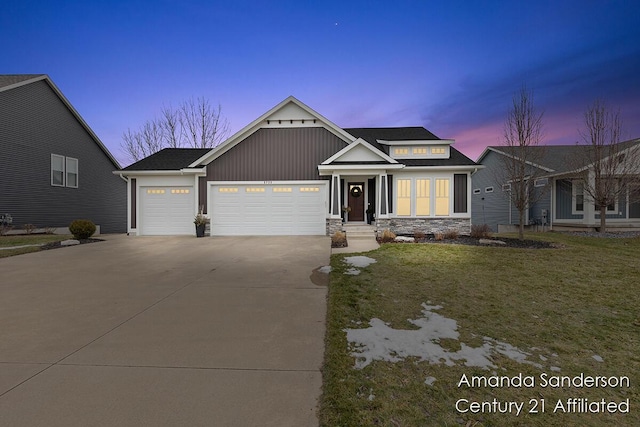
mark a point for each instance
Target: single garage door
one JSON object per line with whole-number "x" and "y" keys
{"x": 166, "y": 211}
{"x": 255, "y": 210}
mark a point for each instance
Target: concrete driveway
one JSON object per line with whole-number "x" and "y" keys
{"x": 155, "y": 331}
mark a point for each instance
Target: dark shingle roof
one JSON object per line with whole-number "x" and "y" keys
{"x": 371, "y": 135}
{"x": 10, "y": 79}
{"x": 169, "y": 159}
{"x": 560, "y": 158}
{"x": 456, "y": 158}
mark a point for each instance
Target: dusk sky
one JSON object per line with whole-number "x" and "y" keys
{"x": 452, "y": 67}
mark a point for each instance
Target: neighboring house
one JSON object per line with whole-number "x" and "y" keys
{"x": 53, "y": 168}
{"x": 564, "y": 204}
{"x": 293, "y": 172}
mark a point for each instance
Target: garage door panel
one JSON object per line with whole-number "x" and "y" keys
{"x": 166, "y": 210}
{"x": 268, "y": 210}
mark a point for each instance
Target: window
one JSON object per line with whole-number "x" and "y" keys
{"x": 422, "y": 196}
{"x": 577, "y": 188}
{"x": 442, "y": 197}
{"x": 490, "y": 189}
{"x": 64, "y": 171}
{"x": 476, "y": 191}
{"x": 404, "y": 197}
{"x": 282, "y": 189}
{"x": 179, "y": 191}
{"x": 419, "y": 151}
{"x": 540, "y": 182}
{"x": 438, "y": 150}
{"x": 155, "y": 191}
{"x": 57, "y": 170}
{"x": 459, "y": 193}
{"x": 227, "y": 190}
{"x": 506, "y": 187}
{"x": 401, "y": 151}
{"x": 254, "y": 189}
{"x": 309, "y": 189}
{"x": 72, "y": 172}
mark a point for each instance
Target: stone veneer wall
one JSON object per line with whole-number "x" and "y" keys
{"x": 333, "y": 225}
{"x": 408, "y": 226}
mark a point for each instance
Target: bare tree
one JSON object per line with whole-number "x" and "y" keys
{"x": 144, "y": 142}
{"x": 522, "y": 137}
{"x": 609, "y": 168}
{"x": 195, "y": 124}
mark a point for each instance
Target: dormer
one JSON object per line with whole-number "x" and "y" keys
{"x": 418, "y": 149}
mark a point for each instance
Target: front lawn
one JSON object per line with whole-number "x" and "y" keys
{"x": 544, "y": 314}
{"x": 30, "y": 239}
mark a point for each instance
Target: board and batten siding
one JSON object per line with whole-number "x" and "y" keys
{"x": 34, "y": 124}
{"x": 281, "y": 154}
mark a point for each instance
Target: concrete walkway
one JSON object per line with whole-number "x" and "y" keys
{"x": 163, "y": 332}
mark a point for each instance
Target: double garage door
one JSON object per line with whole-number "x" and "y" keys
{"x": 269, "y": 209}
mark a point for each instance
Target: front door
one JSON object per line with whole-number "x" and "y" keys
{"x": 356, "y": 201}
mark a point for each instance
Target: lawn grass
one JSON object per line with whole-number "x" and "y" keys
{"x": 30, "y": 239}
{"x": 562, "y": 306}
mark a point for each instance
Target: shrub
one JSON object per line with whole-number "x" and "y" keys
{"x": 339, "y": 239}
{"x": 418, "y": 235}
{"x": 29, "y": 228}
{"x": 82, "y": 228}
{"x": 451, "y": 234}
{"x": 480, "y": 231}
{"x": 387, "y": 236}
{"x": 438, "y": 236}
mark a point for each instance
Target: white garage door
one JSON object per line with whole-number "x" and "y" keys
{"x": 254, "y": 210}
{"x": 166, "y": 211}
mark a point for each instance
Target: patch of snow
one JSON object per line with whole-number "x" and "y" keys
{"x": 430, "y": 380}
{"x": 69, "y": 242}
{"x": 404, "y": 239}
{"x": 597, "y": 358}
{"x": 352, "y": 272}
{"x": 371, "y": 395}
{"x": 359, "y": 261}
{"x": 380, "y": 342}
{"x": 555, "y": 369}
{"x": 491, "y": 242}
{"x": 544, "y": 359}
{"x": 326, "y": 269}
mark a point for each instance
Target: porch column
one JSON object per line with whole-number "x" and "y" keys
{"x": 383, "y": 200}
{"x": 589, "y": 209}
{"x": 336, "y": 208}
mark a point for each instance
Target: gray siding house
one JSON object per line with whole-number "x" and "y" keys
{"x": 293, "y": 172}
{"x": 563, "y": 205}
{"x": 53, "y": 168}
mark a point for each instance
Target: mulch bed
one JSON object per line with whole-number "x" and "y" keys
{"x": 55, "y": 245}
{"x": 471, "y": 241}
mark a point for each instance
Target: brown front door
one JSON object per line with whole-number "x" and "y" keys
{"x": 356, "y": 201}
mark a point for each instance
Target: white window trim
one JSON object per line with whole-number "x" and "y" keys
{"x": 63, "y": 170}
{"x": 574, "y": 198}
{"x": 476, "y": 191}
{"x": 68, "y": 160}
{"x": 506, "y": 187}
{"x": 540, "y": 182}
{"x": 488, "y": 190}
{"x": 65, "y": 167}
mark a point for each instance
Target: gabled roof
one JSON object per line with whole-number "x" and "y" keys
{"x": 309, "y": 114}
{"x": 168, "y": 159}
{"x": 12, "y": 81}
{"x": 372, "y": 135}
{"x": 7, "y": 80}
{"x": 553, "y": 158}
{"x": 360, "y": 152}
